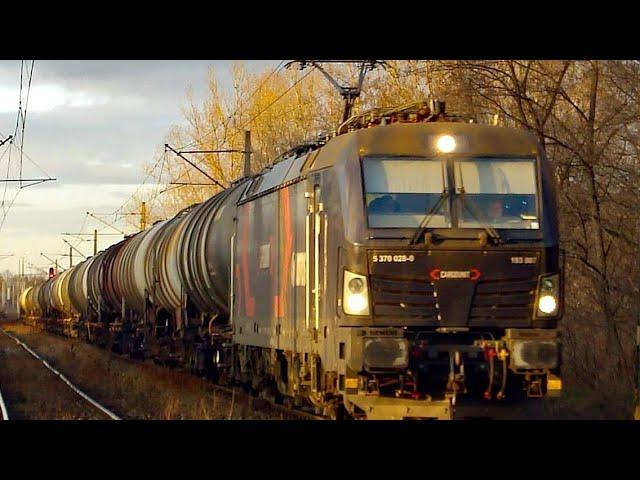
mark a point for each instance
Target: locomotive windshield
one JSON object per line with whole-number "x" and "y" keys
{"x": 496, "y": 192}
{"x": 488, "y": 192}
{"x": 399, "y": 191}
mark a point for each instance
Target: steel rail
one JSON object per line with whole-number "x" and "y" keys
{"x": 104, "y": 410}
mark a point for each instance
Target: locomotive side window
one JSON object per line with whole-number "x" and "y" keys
{"x": 399, "y": 191}
{"x": 496, "y": 192}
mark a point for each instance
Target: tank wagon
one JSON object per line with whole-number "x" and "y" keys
{"x": 409, "y": 261}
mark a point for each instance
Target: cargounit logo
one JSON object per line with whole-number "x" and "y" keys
{"x": 438, "y": 274}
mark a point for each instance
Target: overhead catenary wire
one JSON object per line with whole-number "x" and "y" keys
{"x": 160, "y": 159}
{"x": 6, "y": 212}
{"x": 24, "y": 117}
{"x": 15, "y": 131}
{"x": 84, "y": 222}
{"x": 18, "y": 142}
{"x": 33, "y": 162}
{"x": 245, "y": 124}
{"x": 241, "y": 105}
{"x": 6, "y": 185}
{"x": 7, "y": 149}
{"x": 275, "y": 100}
{"x": 169, "y": 147}
{"x": 187, "y": 172}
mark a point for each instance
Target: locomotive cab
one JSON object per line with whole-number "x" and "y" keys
{"x": 450, "y": 284}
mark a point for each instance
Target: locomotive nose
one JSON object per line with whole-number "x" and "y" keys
{"x": 456, "y": 288}
{"x": 454, "y": 297}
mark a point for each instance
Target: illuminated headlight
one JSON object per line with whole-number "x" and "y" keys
{"x": 446, "y": 143}
{"x": 547, "y": 304}
{"x": 355, "y": 296}
{"x": 548, "y": 296}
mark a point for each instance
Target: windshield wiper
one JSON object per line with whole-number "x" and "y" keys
{"x": 428, "y": 216}
{"x": 493, "y": 234}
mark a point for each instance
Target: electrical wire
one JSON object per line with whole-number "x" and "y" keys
{"x": 144, "y": 181}
{"x": 239, "y": 107}
{"x": 6, "y": 184}
{"x": 24, "y": 118}
{"x": 15, "y": 131}
{"x": 35, "y": 164}
{"x": 274, "y": 101}
{"x": 187, "y": 172}
{"x": 258, "y": 114}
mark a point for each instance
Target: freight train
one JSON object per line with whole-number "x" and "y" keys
{"x": 406, "y": 263}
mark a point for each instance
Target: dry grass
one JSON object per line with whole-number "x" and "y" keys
{"x": 133, "y": 389}
{"x": 33, "y": 392}
{"x": 577, "y": 404}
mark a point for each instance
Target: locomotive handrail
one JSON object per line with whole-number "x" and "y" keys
{"x": 3, "y": 408}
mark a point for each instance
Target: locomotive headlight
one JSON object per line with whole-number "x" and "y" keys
{"x": 355, "y": 295}
{"x": 356, "y": 285}
{"x": 446, "y": 143}
{"x": 547, "y": 304}
{"x": 548, "y": 295}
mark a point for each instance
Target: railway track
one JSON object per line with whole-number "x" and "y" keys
{"x": 237, "y": 395}
{"x": 283, "y": 412}
{"x": 28, "y": 394}
{"x": 237, "y": 401}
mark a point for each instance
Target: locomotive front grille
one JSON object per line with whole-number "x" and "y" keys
{"x": 497, "y": 301}
{"x": 410, "y": 299}
{"x": 494, "y": 302}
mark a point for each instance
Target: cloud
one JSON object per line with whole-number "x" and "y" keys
{"x": 45, "y": 98}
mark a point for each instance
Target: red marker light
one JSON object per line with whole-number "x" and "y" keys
{"x": 474, "y": 274}
{"x": 435, "y": 274}
{"x": 489, "y": 352}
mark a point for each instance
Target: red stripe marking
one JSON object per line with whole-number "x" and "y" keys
{"x": 285, "y": 202}
{"x": 249, "y": 302}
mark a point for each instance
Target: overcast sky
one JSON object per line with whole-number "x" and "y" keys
{"x": 92, "y": 125}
